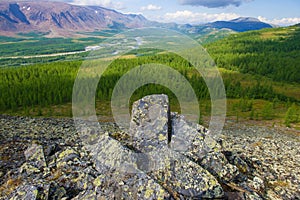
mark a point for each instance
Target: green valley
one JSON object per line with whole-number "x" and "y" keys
{"x": 259, "y": 68}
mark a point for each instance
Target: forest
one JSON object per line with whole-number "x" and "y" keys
{"x": 52, "y": 83}
{"x": 273, "y": 53}
{"x": 255, "y": 66}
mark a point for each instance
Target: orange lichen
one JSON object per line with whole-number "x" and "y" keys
{"x": 10, "y": 185}
{"x": 279, "y": 183}
{"x": 257, "y": 144}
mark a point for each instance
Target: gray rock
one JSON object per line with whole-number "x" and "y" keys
{"x": 57, "y": 192}
{"x": 149, "y": 126}
{"x": 120, "y": 177}
{"x": 194, "y": 141}
{"x": 69, "y": 155}
{"x": 236, "y": 160}
{"x": 150, "y": 129}
{"x": 86, "y": 195}
{"x": 35, "y": 156}
{"x": 35, "y": 160}
{"x": 257, "y": 183}
{"x": 25, "y": 192}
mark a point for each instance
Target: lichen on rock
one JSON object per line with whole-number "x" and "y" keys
{"x": 162, "y": 156}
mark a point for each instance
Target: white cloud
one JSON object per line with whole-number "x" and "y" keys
{"x": 282, "y": 21}
{"x": 104, "y": 3}
{"x": 187, "y": 16}
{"x": 151, "y": 7}
{"x": 213, "y": 3}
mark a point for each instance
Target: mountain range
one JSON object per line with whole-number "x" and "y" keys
{"x": 62, "y": 19}
{"x": 241, "y": 24}
{"x": 59, "y": 18}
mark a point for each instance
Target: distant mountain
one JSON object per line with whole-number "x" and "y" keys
{"x": 59, "y": 18}
{"x": 62, "y": 19}
{"x": 241, "y": 24}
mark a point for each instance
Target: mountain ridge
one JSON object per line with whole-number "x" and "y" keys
{"x": 63, "y": 19}
{"x": 241, "y": 24}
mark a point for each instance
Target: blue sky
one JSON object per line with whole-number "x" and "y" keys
{"x": 281, "y": 12}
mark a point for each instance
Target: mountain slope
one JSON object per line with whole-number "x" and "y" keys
{"x": 61, "y": 18}
{"x": 241, "y": 24}
{"x": 274, "y": 53}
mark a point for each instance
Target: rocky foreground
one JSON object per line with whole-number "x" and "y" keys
{"x": 162, "y": 156}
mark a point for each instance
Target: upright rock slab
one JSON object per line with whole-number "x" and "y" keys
{"x": 150, "y": 129}
{"x": 149, "y": 126}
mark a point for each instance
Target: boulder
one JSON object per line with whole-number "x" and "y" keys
{"x": 35, "y": 160}
{"x": 149, "y": 126}
{"x": 194, "y": 141}
{"x": 25, "y": 192}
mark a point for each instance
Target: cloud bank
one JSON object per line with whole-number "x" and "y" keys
{"x": 213, "y": 3}
{"x": 282, "y": 21}
{"x": 150, "y": 7}
{"x": 187, "y": 16}
{"x": 105, "y": 3}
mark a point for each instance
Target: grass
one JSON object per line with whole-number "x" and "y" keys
{"x": 104, "y": 114}
{"x": 246, "y": 80}
{"x": 278, "y": 33}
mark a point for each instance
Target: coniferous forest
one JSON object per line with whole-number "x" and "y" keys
{"x": 257, "y": 65}
{"x": 270, "y": 53}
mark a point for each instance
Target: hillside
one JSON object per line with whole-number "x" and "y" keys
{"x": 58, "y": 18}
{"x": 274, "y": 53}
{"x": 67, "y": 20}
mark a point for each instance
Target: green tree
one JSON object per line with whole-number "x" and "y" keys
{"x": 267, "y": 112}
{"x": 291, "y": 116}
{"x": 251, "y": 117}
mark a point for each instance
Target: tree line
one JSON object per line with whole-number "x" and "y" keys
{"x": 52, "y": 83}
{"x": 273, "y": 53}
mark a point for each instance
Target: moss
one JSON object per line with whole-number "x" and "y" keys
{"x": 161, "y": 194}
{"x": 66, "y": 152}
{"x": 161, "y": 137}
{"x": 97, "y": 182}
{"x": 148, "y": 193}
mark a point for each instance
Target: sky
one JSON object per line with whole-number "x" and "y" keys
{"x": 278, "y": 12}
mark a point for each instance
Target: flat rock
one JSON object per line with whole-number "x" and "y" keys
{"x": 25, "y": 192}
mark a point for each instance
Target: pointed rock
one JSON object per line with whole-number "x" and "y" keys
{"x": 149, "y": 126}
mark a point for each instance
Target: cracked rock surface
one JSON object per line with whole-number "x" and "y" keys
{"x": 161, "y": 156}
